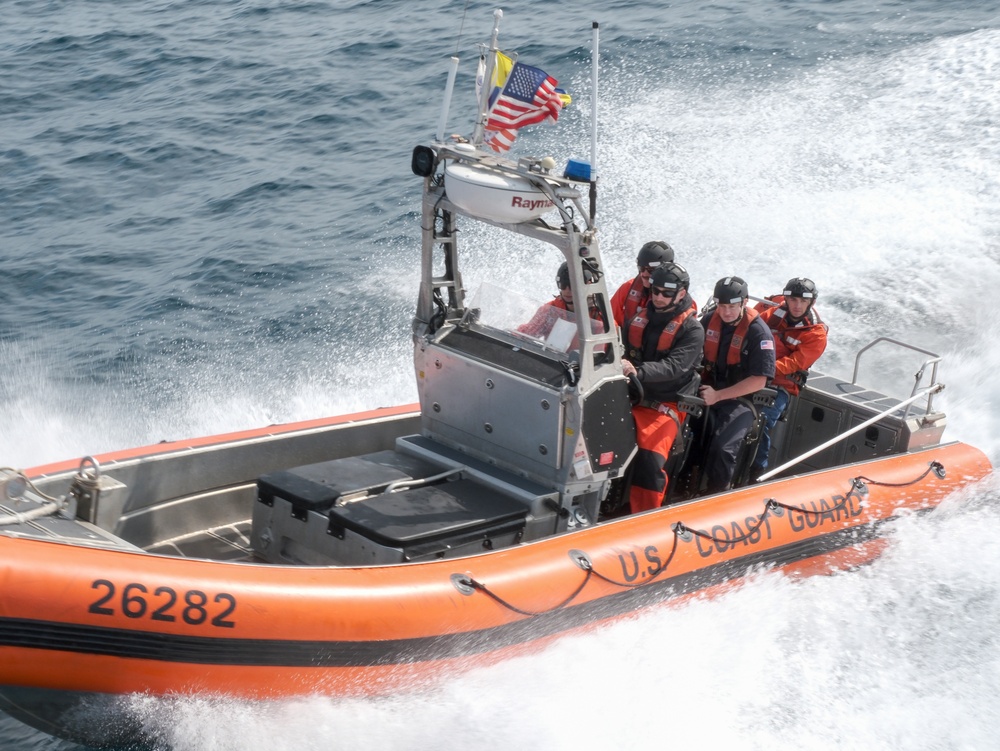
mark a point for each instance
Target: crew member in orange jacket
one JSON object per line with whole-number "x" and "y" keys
{"x": 633, "y": 295}
{"x": 663, "y": 345}
{"x": 561, "y": 307}
{"x": 799, "y": 340}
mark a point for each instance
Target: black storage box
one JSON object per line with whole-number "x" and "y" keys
{"x": 316, "y": 487}
{"x": 435, "y": 520}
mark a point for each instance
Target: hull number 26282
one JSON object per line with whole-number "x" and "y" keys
{"x": 192, "y": 606}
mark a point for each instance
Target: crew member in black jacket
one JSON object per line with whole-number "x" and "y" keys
{"x": 663, "y": 344}
{"x": 739, "y": 360}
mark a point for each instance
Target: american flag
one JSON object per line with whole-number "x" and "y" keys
{"x": 501, "y": 140}
{"x": 529, "y": 96}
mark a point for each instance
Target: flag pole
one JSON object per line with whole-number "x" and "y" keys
{"x": 593, "y": 121}
{"x": 487, "y": 87}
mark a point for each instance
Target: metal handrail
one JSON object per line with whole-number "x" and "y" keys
{"x": 928, "y": 392}
{"x": 918, "y": 376}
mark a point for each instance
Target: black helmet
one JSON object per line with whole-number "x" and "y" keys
{"x": 670, "y": 276}
{"x": 801, "y": 287}
{"x": 562, "y": 276}
{"x": 731, "y": 289}
{"x": 654, "y": 253}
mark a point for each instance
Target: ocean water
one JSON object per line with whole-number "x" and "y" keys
{"x": 208, "y": 223}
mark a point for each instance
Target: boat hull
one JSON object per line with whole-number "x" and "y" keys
{"x": 109, "y": 719}
{"x": 78, "y": 620}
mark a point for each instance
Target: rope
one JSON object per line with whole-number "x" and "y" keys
{"x": 486, "y": 591}
{"x": 935, "y": 467}
{"x": 857, "y": 485}
{"x": 30, "y": 484}
{"x": 588, "y": 572}
{"x": 772, "y": 504}
{"x": 461, "y": 26}
{"x": 681, "y": 531}
{"x": 35, "y": 513}
{"x": 660, "y": 570}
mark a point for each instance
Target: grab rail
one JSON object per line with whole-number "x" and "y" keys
{"x": 928, "y": 392}
{"x": 918, "y": 376}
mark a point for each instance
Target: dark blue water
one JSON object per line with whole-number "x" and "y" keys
{"x": 208, "y": 222}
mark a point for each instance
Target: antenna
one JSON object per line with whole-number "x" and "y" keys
{"x": 484, "y": 93}
{"x": 593, "y": 121}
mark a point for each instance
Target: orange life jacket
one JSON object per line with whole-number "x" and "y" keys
{"x": 807, "y": 337}
{"x": 636, "y": 298}
{"x": 712, "y": 335}
{"x": 637, "y": 324}
{"x": 734, "y": 369}
{"x": 593, "y": 312}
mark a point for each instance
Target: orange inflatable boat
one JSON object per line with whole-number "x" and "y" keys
{"x": 88, "y": 613}
{"x": 368, "y": 553}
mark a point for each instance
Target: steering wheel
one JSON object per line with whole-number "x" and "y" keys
{"x": 635, "y": 391}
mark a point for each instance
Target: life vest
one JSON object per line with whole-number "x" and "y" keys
{"x": 636, "y": 298}
{"x": 777, "y": 317}
{"x": 593, "y": 312}
{"x": 637, "y": 324}
{"x": 733, "y": 360}
{"x": 790, "y": 337}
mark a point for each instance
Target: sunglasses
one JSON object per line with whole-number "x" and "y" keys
{"x": 648, "y": 269}
{"x": 661, "y": 292}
